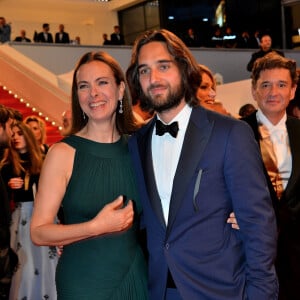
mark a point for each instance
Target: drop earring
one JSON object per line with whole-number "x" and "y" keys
{"x": 84, "y": 116}
{"x": 121, "y": 106}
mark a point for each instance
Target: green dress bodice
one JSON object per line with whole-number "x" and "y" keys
{"x": 110, "y": 266}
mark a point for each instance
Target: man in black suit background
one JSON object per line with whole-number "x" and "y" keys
{"x": 116, "y": 38}
{"x": 265, "y": 48}
{"x": 61, "y": 36}
{"x": 191, "y": 39}
{"x": 45, "y": 36}
{"x": 22, "y": 37}
{"x": 274, "y": 82}
{"x": 8, "y": 258}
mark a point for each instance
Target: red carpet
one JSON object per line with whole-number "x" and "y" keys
{"x": 7, "y": 99}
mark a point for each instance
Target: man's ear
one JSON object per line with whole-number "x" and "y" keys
{"x": 253, "y": 92}
{"x": 293, "y": 91}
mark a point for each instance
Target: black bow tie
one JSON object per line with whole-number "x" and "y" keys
{"x": 161, "y": 128}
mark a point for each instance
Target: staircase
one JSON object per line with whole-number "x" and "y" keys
{"x": 52, "y": 131}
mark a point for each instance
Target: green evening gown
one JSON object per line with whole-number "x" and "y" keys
{"x": 111, "y": 266}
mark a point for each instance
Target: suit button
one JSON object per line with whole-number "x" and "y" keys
{"x": 167, "y": 246}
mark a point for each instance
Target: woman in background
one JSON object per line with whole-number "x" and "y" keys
{"x": 207, "y": 91}
{"x": 20, "y": 169}
{"x": 38, "y": 127}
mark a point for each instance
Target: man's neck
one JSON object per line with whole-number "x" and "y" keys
{"x": 168, "y": 115}
{"x": 274, "y": 118}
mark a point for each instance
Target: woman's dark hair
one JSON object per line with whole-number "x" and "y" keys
{"x": 125, "y": 121}
{"x": 5, "y": 115}
{"x": 246, "y": 110}
{"x": 11, "y": 155}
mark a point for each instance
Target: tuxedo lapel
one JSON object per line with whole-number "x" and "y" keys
{"x": 196, "y": 137}
{"x": 252, "y": 121}
{"x": 294, "y": 134}
{"x": 144, "y": 142}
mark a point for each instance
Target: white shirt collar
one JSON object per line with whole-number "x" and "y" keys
{"x": 182, "y": 118}
{"x": 262, "y": 119}
{"x": 165, "y": 155}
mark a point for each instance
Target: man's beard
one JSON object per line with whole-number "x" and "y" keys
{"x": 161, "y": 103}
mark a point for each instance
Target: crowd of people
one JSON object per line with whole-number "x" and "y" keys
{"x": 224, "y": 37}
{"x": 220, "y": 37}
{"x": 189, "y": 203}
{"x": 44, "y": 36}
{"x": 60, "y": 37}
{"x": 22, "y": 154}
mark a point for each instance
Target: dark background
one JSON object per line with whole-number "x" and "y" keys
{"x": 280, "y": 18}
{"x": 241, "y": 15}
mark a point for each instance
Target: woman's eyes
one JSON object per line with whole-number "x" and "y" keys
{"x": 102, "y": 82}
{"x": 82, "y": 86}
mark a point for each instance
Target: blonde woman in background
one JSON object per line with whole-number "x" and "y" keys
{"x": 207, "y": 91}
{"x": 38, "y": 127}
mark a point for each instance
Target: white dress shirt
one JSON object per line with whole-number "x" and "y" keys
{"x": 281, "y": 145}
{"x": 165, "y": 155}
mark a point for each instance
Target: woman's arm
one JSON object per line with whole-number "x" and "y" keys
{"x": 55, "y": 175}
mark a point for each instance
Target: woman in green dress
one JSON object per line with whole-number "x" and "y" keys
{"x": 90, "y": 175}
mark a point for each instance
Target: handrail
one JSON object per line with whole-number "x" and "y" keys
{"x": 30, "y": 81}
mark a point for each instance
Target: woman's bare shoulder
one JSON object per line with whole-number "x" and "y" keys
{"x": 60, "y": 153}
{"x": 60, "y": 146}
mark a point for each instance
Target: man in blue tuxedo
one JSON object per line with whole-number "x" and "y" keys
{"x": 194, "y": 167}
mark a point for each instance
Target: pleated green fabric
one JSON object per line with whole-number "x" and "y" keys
{"x": 111, "y": 266}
